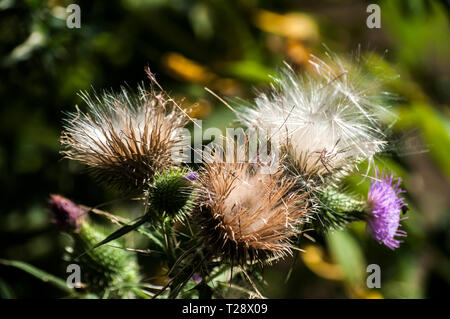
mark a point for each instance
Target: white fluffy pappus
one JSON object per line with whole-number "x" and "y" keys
{"x": 324, "y": 121}
{"x": 124, "y": 139}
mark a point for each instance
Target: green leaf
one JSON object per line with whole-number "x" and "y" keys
{"x": 39, "y": 274}
{"x": 118, "y": 233}
{"x": 250, "y": 70}
{"x": 346, "y": 251}
{"x": 5, "y": 290}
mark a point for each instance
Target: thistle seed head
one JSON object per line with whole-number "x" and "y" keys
{"x": 245, "y": 215}
{"x": 321, "y": 122}
{"x": 124, "y": 140}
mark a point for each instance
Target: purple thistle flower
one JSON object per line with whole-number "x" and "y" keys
{"x": 67, "y": 215}
{"x": 385, "y": 209}
{"x": 197, "y": 278}
{"x": 191, "y": 176}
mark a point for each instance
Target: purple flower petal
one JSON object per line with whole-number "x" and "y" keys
{"x": 191, "y": 176}
{"x": 197, "y": 278}
{"x": 385, "y": 209}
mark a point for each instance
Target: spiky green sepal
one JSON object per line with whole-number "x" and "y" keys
{"x": 337, "y": 209}
{"x": 170, "y": 194}
{"x": 108, "y": 269}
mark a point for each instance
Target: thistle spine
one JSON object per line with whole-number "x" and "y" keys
{"x": 108, "y": 267}
{"x": 337, "y": 209}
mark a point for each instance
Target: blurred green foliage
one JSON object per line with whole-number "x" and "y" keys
{"x": 231, "y": 47}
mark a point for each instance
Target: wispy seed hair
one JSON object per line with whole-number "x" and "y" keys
{"x": 323, "y": 121}
{"x": 124, "y": 139}
{"x": 247, "y": 216}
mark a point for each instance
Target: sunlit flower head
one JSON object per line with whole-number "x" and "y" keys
{"x": 245, "y": 215}
{"x": 125, "y": 140}
{"x": 322, "y": 121}
{"x": 385, "y": 208}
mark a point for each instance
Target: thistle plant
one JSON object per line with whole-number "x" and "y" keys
{"x": 225, "y": 220}
{"x": 245, "y": 215}
{"x": 124, "y": 139}
{"x": 324, "y": 123}
{"x": 337, "y": 209}
{"x": 170, "y": 193}
{"x": 385, "y": 207}
{"x": 107, "y": 270}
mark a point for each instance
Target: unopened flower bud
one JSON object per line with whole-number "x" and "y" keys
{"x": 67, "y": 215}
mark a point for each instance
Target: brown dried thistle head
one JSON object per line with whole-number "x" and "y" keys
{"x": 123, "y": 139}
{"x": 245, "y": 215}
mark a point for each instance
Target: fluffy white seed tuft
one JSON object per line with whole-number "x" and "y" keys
{"x": 323, "y": 122}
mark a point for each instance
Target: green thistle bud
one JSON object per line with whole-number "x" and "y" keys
{"x": 170, "y": 193}
{"x": 106, "y": 268}
{"x": 337, "y": 209}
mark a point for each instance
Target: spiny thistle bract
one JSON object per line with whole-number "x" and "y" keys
{"x": 322, "y": 122}
{"x": 247, "y": 216}
{"x": 125, "y": 140}
{"x": 170, "y": 193}
{"x": 336, "y": 209}
{"x": 105, "y": 270}
{"x": 108, "y": 268}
